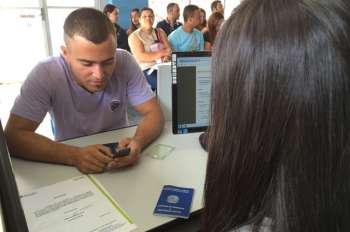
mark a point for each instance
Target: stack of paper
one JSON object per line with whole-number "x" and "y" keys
{"x": 79, "y": 204}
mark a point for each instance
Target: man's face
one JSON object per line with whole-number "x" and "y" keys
{"x": 114, "y": 15}
{"x": 91, "y": 64}
{"x": 175, "y": 12}
{"x": 220, "y": 8}
{"x": 196, "y": 18}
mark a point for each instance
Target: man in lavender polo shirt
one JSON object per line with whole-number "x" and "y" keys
{"x": 86, "y": 91}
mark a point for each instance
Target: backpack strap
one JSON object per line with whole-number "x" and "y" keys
{"x": 158, "y": 35}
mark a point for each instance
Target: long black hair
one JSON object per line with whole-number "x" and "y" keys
{"x": 280, "y": 118}
{"x": 133, "y": 27}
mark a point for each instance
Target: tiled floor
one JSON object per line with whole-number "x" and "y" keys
{"x": 8, "y": 93}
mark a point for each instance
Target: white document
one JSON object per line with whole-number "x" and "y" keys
{"x": 79, "y": 204}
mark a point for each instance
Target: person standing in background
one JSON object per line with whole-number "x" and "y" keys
{"x": 112, "y": 12}
{"x": 214, "y": 24}
{"x": 187, "y": 37}
{"x": 216, "y": 6}
{"x": 171, "y": 22}
{"x": 135, "y": 21}
{"x": 202, "y": 26}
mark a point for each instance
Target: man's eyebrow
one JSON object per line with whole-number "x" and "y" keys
{"x": 93, "y": 61}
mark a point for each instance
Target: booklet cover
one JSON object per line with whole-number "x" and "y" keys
{"x": 174, "y": 202}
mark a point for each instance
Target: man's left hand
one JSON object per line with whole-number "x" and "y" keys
{"x": 132, "y": 158}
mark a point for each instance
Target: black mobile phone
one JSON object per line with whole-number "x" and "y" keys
{"x": 117, "y": 152}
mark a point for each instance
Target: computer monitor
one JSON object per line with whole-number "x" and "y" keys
{"x": 191, "y": 82}
{"x": 12, "y": 212}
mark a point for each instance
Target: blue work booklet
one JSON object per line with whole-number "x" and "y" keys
{"x": 174, "y": 202}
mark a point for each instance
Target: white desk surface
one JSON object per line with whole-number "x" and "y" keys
{"x": 135, "y": 188}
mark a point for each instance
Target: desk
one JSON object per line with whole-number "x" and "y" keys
{"x": 136, "y": 188}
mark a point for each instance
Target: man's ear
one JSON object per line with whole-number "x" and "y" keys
{"x": 64, "y": 50}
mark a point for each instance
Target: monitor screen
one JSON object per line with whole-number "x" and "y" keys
{"x": 191, "y": 82}
{"x": 12, "y": 212}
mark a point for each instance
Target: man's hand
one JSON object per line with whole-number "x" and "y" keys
{"x": 92, "y": 159}
{"x": 132, "y": 158}
{"x": 147, "y": 130}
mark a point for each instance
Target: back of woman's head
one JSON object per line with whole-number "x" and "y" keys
{"x": 280, "y": 118}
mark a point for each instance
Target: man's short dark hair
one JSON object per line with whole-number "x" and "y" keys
{"x": 136, "y": 10}
{"x": 88, "y": 23}
{"x": 146, "y": 9}
{"x": 214, "y": 5}
{"x": 189, "y": 11}
{"x": 109, "y": 8}
{"x": 170, "y": 6}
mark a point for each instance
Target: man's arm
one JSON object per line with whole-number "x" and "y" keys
{"x": 147, "y": 131}
{"x": 172, "y": 38}
{"x": 152, "y": 122}
{"x": 25, "y": 143}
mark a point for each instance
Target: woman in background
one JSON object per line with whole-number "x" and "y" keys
{"x": 279, "y": 149}
{"x": 149, "y": 46}
{"x": 202, "y": 26}
{"x": 112, "y": 12}
{"x": 135, "y": 20}
{"x": 214, "y": 24}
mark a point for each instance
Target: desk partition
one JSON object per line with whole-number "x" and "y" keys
{"x": 164, "y": 89}
{"x": 135, "y": 188}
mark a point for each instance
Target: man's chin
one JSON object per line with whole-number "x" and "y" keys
{"x": 96, "y": 88}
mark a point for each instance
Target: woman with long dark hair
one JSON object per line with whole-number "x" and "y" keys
{"x": 279, "y": 149}
{"x": 134, "y": 21}
{"x": 112, "y": 12}
{"x": 214, "y": 24}
{"x": 202, "y": 26}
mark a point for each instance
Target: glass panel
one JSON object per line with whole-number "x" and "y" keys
{"x": 19, "y": 3}
{"x": 22, "y": 43}
{"x": 205, "y": 4}
{"x": 56, "y": 20}
{"x": 70, "y": 3}
{"x": 229, "y": 6}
